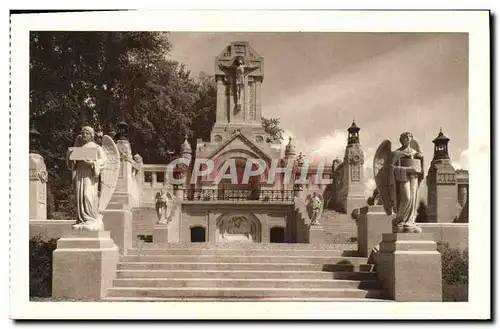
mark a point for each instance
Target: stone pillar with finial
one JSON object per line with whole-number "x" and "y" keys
{"x": 442, "y": 196}
{"x": 353, "y": 175}
{"x": 37, "y": 178}
{"x": 290, "y": 156}
{"x": 118, "y": 214}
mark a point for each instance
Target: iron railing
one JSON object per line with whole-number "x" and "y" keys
{"x": 238, "y": 195}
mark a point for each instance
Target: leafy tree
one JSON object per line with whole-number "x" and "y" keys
{"x": 271, "y": 126}
{"x": 100, "y": 78}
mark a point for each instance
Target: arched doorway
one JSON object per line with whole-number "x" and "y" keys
{"x": 237, "y": 227}
{"x": 277, "y": 235}
{"x": 198, "y": 234}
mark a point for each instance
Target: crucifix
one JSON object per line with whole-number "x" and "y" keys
{"x": 237, "y": 73}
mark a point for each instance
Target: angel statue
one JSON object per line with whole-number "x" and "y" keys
{"x": 315, "y": 207}
{"x": 240, "y": 71}
{"x": 163, "y": 203}
{"x": 398, "y": 175}
{"x": 91, "y": 164}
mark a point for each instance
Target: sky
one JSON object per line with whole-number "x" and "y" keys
{"x": 317, "y": 83}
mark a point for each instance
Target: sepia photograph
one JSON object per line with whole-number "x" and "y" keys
{"x": 208, "y": 169}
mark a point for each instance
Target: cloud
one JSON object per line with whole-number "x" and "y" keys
{"x": 369, "y": 187}
{"x": 464, "y": 160}
{"x": 330, "y": 146}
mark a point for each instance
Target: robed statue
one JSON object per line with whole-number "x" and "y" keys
{"x": 398, "y": 175}
{"x": 93, "y": 165}
{"x": 163, "y": 205}
{"x": 315, "y": 207}
{"x": 237, "y": 72}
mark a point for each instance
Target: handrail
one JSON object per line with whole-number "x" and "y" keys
{"x": 237, "y": 195}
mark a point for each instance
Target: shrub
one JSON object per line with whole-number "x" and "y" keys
{"x": 40, "y": 266}
{"x": 455, "y": 272}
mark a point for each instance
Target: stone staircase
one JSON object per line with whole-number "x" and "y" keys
{"x": 204, "y": 271}
{"x": 338, "y": 228}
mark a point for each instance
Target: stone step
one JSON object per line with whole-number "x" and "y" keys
{"x": 244, "y": 259}
{"x": 239, "y": 252}
{"x": 243, "y": 283}
{"x": 246, "y": 274}
{"x": 261, "y": 299}
{"x": 143, "y": 265}
{"x": 160, "y": 292}
{"x": 241, "y": 246}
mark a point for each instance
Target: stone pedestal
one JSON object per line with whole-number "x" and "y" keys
{"x": 316, "y": 234}
{"x": 372, "y": 222}
{"x": 160, "y": 233}
{"x": 409, "y": 267}
{"x": 119, "y": 223}
{"x": 37, "y": 187}
{"x": 84, "y": 265}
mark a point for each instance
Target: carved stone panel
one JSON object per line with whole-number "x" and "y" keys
{"x": 356, "y": 173}
{"x": 355, "y": 155}
{"x": 446, "y": 178}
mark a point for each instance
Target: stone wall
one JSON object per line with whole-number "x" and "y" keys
{"x": 455, "y": 234}
{"x": 143, "y": 221}
{"x": 340, "y": 189}
{"x": 50, "y": 229}
{"x": 207, "y": 214}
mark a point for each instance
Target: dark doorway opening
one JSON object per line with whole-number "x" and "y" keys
{"x": 197, "y": 234}
{"x": 277, "y": 235}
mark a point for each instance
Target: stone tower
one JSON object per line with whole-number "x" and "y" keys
{"x": 353, "y": 175}
{"x": 442, "y": 195}
{"x": 239, "y": 73}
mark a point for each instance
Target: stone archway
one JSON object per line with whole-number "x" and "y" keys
{"x": 239, "y": 228}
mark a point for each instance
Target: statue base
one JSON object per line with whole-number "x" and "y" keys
{"x": 160, "y": 233}
{"x": 409, "y": 267}
{"x": 119, "y": 223}
{"x": 84, "y": 265}
{"x": 372, "y": 222}
{"x": 316, "y": 234}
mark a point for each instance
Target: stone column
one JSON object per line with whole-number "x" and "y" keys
{"x": 409, "y": 267}
{"x": 372, "y": 222}
{"x": 84, "y": 265}
{"x": 174, "y": 226}
{"x": 37, "y": 187}
{"x": 257, "y": 97}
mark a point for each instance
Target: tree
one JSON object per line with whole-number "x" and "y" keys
{"x": 100, "y": 78}
{"x": 271, "y": 126}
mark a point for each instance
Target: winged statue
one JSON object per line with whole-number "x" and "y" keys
{"x": 95, "y": 174}
{"x": 398, "y": 176}
{"x": 164, "y": 204}
{"x": 315, "y": 204}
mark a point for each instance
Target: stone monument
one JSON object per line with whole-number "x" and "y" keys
{"x": 84, "y": 262}
{"x": 38, "y": 187}
{"x": 38, "y": 179}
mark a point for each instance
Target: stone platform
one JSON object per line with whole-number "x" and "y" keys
{"x": 242, "y": 272}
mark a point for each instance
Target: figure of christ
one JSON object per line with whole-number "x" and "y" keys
{"x": 238, "y": 71}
